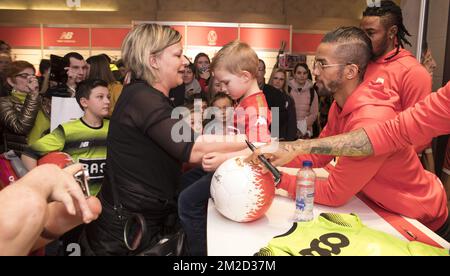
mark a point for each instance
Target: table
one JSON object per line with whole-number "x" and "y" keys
{"x": 229, "y": 238}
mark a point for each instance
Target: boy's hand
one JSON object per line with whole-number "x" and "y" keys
{"x": 212, "y": 161}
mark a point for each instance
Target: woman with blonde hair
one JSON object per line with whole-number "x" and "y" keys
{"x": 288, "y": 119}
{"x": 147, "y": 145}
{"x": 279, "y": 80}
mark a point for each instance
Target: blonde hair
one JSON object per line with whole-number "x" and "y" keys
{"x": 279, "y": 70}
{"x": 236, "y": 57}
{"x": 142, "y": 42}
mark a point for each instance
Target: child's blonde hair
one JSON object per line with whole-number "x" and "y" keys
{"x": 236, "y": 57}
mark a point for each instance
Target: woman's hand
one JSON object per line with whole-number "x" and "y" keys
{"x": 204, "y": 72}
{"x": 33, "y": 85}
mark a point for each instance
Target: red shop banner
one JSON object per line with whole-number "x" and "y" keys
{"x": 111, "y": 38}
{"x": 182, "y": 30}
{"x": 21, "y": 36}
{"x": 266, "y": 38}
{"x": 211, "y": 36}
{"x": 66, "y": 37}
{"x": 305, "y": 43}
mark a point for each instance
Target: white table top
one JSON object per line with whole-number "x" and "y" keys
{"x": 229, "y": 238}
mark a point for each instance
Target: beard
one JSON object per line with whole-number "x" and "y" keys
{"x": 384, "y": 45}
{"x": 332, "y": 87}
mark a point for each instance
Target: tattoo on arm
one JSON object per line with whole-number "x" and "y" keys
{"x": 322, "y": 150}
{"x": 354, "y": 144}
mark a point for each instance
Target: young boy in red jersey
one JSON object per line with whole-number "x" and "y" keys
{"x": 235, "y": 66}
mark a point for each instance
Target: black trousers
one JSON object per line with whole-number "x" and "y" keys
{"x": 104, "y": 237}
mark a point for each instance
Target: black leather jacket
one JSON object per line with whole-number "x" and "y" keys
{"x": 17, "y": 120}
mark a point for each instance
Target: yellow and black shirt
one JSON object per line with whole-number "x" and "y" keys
{"x": 85, "y": 144}
{"x": 343, "y": 235}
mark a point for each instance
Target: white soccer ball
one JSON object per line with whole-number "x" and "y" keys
{"x": 240, "y": 191}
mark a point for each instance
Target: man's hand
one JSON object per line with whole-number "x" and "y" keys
{"x": 278, "y": 155}
{"x": 65, "y": 189}
{"x": 71, "y": 74}
{"x": 212, "y": 161}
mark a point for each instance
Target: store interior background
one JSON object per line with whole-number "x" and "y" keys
{"x": 305, "y": 15}
{"x": 318, "y": 16}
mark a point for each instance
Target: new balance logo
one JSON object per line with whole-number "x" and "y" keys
{"x": 84, "y": 145}
{"x": 66, "y": 35}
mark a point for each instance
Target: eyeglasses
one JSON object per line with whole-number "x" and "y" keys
{"x": 25, "y": 75}
{"x": 320, "y": 66}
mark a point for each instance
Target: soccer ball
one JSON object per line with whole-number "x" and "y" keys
{"x": 61, "y": 159}
{"x": 240, "y": 191}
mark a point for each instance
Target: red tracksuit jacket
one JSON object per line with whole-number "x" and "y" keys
{"x": 406, "y": 77}
{"x": 396, "y": 182}
{"x": 415, "y": 126}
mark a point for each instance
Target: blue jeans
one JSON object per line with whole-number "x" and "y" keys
{"x": 192, "y": 209}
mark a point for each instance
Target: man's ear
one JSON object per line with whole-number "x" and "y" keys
{"x": 393, "y": 31}
{"x": 352, "y": 72}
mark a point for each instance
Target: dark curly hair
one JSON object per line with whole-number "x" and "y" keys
{"x": 392, "y": 16}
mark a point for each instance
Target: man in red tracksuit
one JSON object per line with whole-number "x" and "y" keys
{"x": 396, "y": 67}
{"x": 428, "y": 118}
{"x": 396, "y": 182}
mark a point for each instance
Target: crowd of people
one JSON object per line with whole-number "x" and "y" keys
{"x": 144, "y": 160}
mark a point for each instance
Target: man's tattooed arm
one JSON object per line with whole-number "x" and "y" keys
{"x": 354, "y": 144}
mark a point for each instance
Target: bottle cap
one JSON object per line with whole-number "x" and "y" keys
{"x": 307, "y": 164}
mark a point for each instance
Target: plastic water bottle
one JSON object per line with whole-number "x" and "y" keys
{"x": 304, "y": 201}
